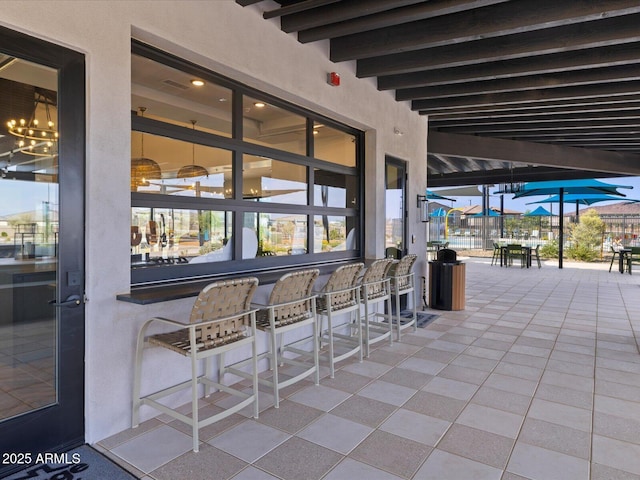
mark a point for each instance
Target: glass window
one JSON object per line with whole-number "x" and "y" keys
{"x": 272, "y": 126}
{"x": 268, "y": 180}
{"x": 168, "y": 235}
{"x": 333, "y": 189}
{"x": 170, "y": 95}
{"x": 279, "y": 234}
{"x": 173, "y": 167}
{"x": 334, "y": 145}
{"x": 334, "y": 233}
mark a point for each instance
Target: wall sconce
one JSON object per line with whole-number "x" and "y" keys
{"x": 423, "y": 206}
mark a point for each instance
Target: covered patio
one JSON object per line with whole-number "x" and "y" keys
{"x": 538, "y": 378}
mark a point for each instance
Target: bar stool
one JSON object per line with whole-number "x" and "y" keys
{"x": 291, "y": 307}
{"x": 221, "y": 320}
{"x": 376, "y": 289}
{"x": 340, "y": 296}
{"x": 403, "y": 283}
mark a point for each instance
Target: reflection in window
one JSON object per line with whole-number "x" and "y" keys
{"x": 279, "y": 234}
{"x": 266, "y": 124}
{"x": 270, "y": 180}
{"x": 334, "y": 189}
{"x": 172, "y": 155}
{"x": 168, "y": 235}
{"x": 334, "y": 145}
{"x": 169, "y": 95}
{"x": 334, "y": 233}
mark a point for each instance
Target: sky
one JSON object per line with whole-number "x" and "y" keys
{"x": 520, "y": 204}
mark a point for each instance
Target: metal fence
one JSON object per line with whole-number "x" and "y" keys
{"x": 468, "y": 232}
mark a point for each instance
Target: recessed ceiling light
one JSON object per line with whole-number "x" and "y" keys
{"x": 197, "y": 83}
{"x": 259, "y": 104}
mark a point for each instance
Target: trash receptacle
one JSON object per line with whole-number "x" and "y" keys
{"x": 446, "y": 281}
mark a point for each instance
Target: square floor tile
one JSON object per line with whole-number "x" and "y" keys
{"x": 478, "y": 445}
{"x": 252, "y": 473}
{"x": 491, "y": 420}
{"x": 150, "y": 450}
{"x": 299, "y": 459}
{"x": 290, "y": 417}
{"x": 250, "y": 440}
{"x": 442, "y": 465}
{"x": 451, "y": 388}
{"x": 353, "y": 470}
{"x": 208, "y": 463}
{"x": 578, "y": 418}
{"x": 335, "y": 433}
{"x": 415, "y": 426}
{"x": 387, "y": 392}
{"x": 366, "y": 411}
{"x": 406, "y": 378}
{"x": 397, "y": 455}
{"x": 539, "y": 463}
{"x": 367, "y": 369}
{"x": 346, "y": 381}
{"x": 617, "y": 454}
{"x": 422, "y": 365}
{"x": 434, "y": 405}
{"x": 320, "y": 397}
{"x": 556, "y": 437}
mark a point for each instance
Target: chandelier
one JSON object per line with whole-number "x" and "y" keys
{"x": 33, "y": 137}
{"x": 193, "y": 170}
{"x": 143, "y": 169}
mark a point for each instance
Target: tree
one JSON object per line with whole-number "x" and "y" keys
{"x": 586, "y": 236}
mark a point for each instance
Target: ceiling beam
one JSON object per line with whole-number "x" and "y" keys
{"x": 559, "y": 126}
{"x": 491, "y": 21}
{"x": 595, "y": 76}
{"x": 624, "y": 54}
{"x": 296, "y": 8}
{"x": 533, "y": 153}
{"x": 341, "y": 12}
{"x": 608, "y": 31}
{"x": 531, "y": 97}
{"x": 420, "y": 11}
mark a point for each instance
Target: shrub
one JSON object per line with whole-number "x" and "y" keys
{"x": 549, "y": 250}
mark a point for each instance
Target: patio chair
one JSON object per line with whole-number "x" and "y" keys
{"x": 515, "y": 251}
{"x": 340, "y": 296}
{"x": 376, "y": 289}
{"x": 615, "y": 251}
{"x": 535, "y": 254}
{"x": 496, "y": 253}
{"x": 221, "y": 320}
{"x": 291, "y": 307}
{"x": 633, "y": 258}
{"x": 402, "y": 283}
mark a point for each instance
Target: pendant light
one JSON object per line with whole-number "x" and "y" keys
{"x": 193, "y": 170}
{"x": 143, "y": 169}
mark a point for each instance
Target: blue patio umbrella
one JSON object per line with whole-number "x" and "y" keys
{"x": 434, "y": 196}
{"x": 490, "y": 213}
{"x": 538, "y": 212}
{"x": 585, "y": 199}
{"x": 561, "y": 187}
{"x": 438, "y": 212}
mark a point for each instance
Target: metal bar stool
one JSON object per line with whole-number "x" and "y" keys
{"x": 403, "y": 283}
{"x": 221, "y": 320}
{"x": 291, "y": 306}
{"x": 341, "y": 296}
{"x": 376, "y": 290}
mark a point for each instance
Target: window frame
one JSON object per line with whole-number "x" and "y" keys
{"x": 238, "y": 147}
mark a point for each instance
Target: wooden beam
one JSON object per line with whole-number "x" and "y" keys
{"x": 341, "y": 12}
{"x": 296, "y": 8}
{"x": 608, "y": 31}
{"x": 533, "y": 153}
{"x": 420, "y": 10}
{"x": 531, "y": 97}
{"x": 492, "y": 21}
{"x": 614, "y": 55}
{"x": 593, "y": 76}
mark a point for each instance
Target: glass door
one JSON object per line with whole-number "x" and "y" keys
{"x": 41, "y": 249}
{"x": 396, "y": 208}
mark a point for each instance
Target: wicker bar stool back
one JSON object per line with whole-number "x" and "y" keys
{"x": 341, "y": 295}
{"x": 221, "y": 320}
{"x": 402, "y": 283}
{"x": 376, "y": 290}
{"x": 291, "y": 307}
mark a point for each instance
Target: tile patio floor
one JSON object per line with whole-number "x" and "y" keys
{"x": 538, "y": 378}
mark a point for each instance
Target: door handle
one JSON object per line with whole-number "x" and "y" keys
{"x": 72, "y": 301}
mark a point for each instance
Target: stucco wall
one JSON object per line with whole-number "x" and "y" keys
{"x": 233, "y": 41}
